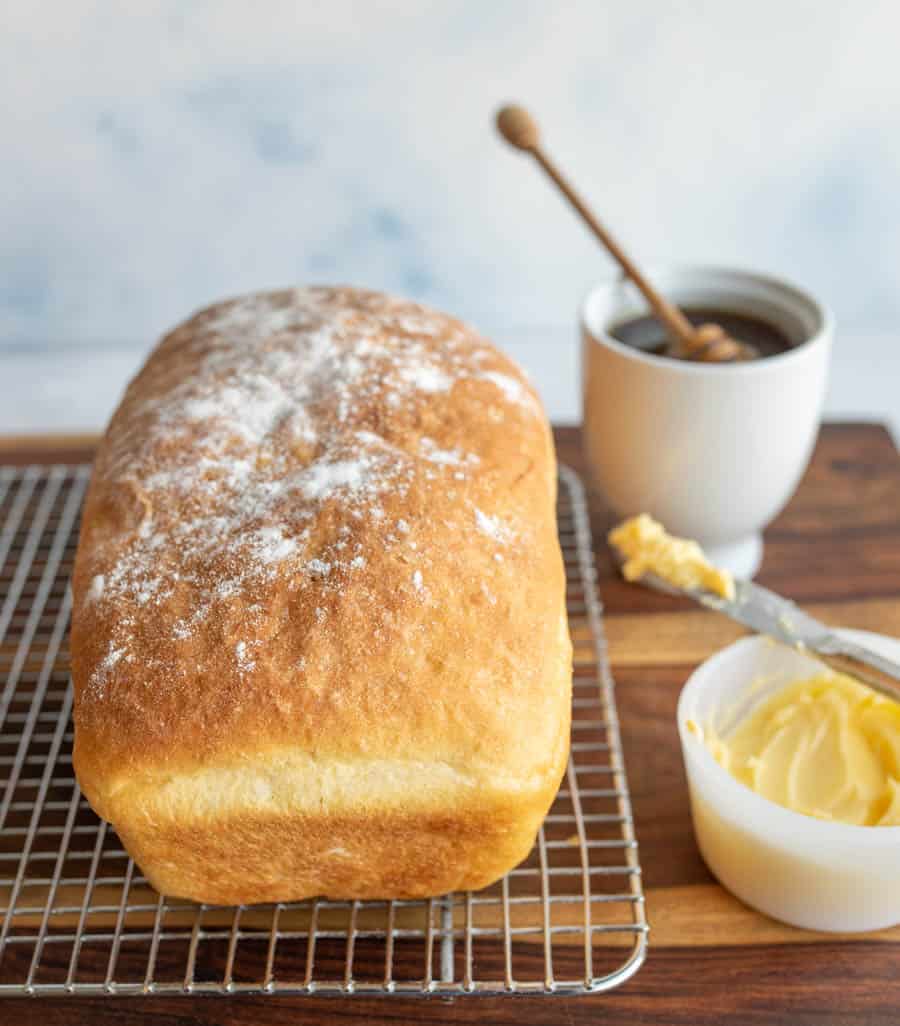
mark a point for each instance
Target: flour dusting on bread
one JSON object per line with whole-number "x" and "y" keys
{"x": 307, "y": 412}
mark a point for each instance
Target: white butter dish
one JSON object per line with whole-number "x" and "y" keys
{"x": 808, "y": 872}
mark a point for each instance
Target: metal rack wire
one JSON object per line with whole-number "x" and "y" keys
{"x": 78, "y": 917}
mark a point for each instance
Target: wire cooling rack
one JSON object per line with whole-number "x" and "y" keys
{"x": 79, "y": 918}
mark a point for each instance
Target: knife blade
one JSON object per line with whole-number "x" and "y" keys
{"x": 768, "y": 613}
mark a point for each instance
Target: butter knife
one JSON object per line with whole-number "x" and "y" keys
{"x": 768, "y": 613}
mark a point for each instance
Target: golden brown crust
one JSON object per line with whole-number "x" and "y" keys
{"x": 319, "y": 603}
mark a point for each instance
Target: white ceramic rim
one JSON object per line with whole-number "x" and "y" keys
{"x": 823, "y": 314}
{"x": 819, "y": 829}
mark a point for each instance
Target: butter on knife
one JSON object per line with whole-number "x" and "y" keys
{"x": 645, "y": 547}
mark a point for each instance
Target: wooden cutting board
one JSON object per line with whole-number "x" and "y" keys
{"x": 836, "y": 549}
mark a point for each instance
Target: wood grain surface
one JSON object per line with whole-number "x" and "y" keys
{"x": 836, "y": 549}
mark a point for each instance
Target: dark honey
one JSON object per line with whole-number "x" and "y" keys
{"x": 647, "y": 334}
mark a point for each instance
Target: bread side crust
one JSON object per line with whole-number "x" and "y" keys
{"x": 366, "y": 831}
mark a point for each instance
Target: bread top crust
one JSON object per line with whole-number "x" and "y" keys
{"x": 321, "y": 521}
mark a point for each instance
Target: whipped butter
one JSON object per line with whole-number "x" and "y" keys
{"x": 646, "y": 548}
{"x": 827, "y": 747}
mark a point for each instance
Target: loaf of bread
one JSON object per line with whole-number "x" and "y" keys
{"x": 319, "y": 639}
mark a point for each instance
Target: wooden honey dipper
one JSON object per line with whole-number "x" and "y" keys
{"x": 707, "y": 343}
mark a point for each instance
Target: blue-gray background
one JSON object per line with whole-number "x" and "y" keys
{"x": 155, "y": 161}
